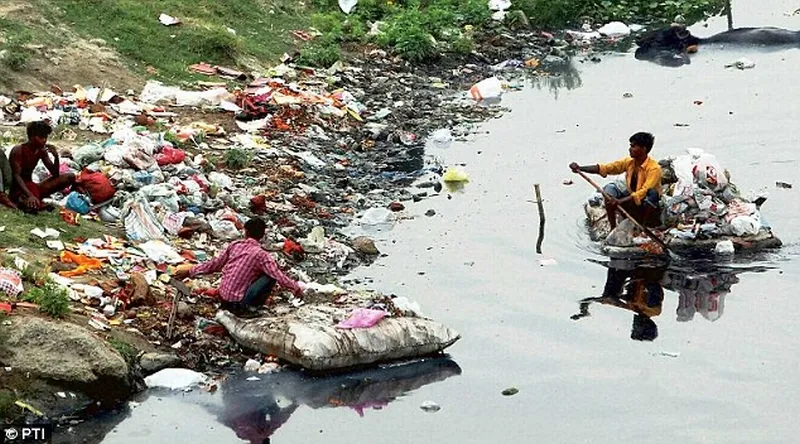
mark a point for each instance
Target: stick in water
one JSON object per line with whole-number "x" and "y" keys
{"x": 540, "y": 203}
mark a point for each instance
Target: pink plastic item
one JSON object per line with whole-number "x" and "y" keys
{"x": 362, "y": 318}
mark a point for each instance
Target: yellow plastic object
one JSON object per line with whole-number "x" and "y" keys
{"x": 455, "y": 175}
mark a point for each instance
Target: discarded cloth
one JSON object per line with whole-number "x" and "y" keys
{"x": 84, "y": 263}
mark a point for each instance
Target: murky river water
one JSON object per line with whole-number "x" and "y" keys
{"x": 723, "y": 368}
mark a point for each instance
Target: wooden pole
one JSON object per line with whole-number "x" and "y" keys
{"x": 729, "y": 13}
{"x": 540, "y": 204}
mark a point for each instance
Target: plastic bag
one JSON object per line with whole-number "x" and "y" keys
{"x": 88, "y": 154}
{"x": 441, "y": 138}
{"x": 708, "y": 173}
{"x": 347, "y": 5}
{"x": 615, "y": 29}
{"x": 170, "y": 156}
{"x": 224, "y": 230}
{"x": 455, "y": 175}
{"x": 141, "y": 224}
{"x": 175, "y": 378}
{"x": 490, "y": 88}
{"x": 362, "y": 318}
{"x": 78, "y": 203}
{"x": 96, "y": 185}
{"x": 376, "y": 216}
{"x": 745, "y": 225}
{"x": 10, "y": 282}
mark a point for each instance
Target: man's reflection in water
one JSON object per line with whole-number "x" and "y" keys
{"x": 638, "y": 290}
{"x": 255, "y": 409}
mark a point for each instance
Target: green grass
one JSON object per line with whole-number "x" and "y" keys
{"x": 127, "y": 351}
{"x": 131, "y": 26}
{"x": 7, "y": 407}
{"x": 19, "y": 225}
{"x": 13, "y": 38}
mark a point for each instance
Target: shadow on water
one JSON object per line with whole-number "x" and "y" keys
{"x": 254, "y": 410}
{"x": 639, "y": 287}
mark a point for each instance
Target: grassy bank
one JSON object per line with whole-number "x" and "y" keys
{"x": 245, "y": 33}
{"x": 422, "y": 30}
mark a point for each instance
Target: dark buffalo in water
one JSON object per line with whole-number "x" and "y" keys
{"x": 672, "y": 46}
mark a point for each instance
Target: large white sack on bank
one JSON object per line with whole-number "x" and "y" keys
{"x": 309, "y": 338}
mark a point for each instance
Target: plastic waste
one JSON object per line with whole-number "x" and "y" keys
{"x": 455, "y": 175}
{"x": 745, "y": 225}
{"x": 362, "y": 318}
{"x": 430, "y": 407}
{"x": 742, "y": 63}
{"x": 347, "y": 5}
{"x": 10, "y": 282}
{"x": 615, "y": 29}
{"x": 407, "y": 306}
{"x": 161, "y": 253}
{"x": 78, "y": 203}
{"x": 88, "y": 154}
{"x": 221, "y": 180}
{"x": 224, "y": 230}
{"x": 168, "y": 20}
{"x": 499, "y": 5}
{"x": 441, "y": 138}
{"x": 724, "y": 248}
{"x": 376, "y": 216}
{"x": 175, "y": 378}
{"x": 490, "y": 88}
{"x": 252, "y": 365}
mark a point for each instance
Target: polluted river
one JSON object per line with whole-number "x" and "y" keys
{"x": 722, "y": 366}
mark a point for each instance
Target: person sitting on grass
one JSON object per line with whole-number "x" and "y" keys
{"x": 641, "y": 195}
{"x": 248, "y": 271}
{"x": 25, "y": 193}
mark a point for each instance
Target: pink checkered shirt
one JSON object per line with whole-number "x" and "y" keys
{"x": 241, "y": 264}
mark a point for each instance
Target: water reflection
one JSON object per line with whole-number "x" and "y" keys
{"x": 256, "y": 409}
{"x": 561, "y": 74}
{"x": 640, "y": 288}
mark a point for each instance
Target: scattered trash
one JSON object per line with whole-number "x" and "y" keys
{"x": 10, "y": 282}
{"x": 47, "y": 232}
{"x": 441, "y": 138}
{"x": 785, "y": 185}
{"x": 510, "y": 391}
{"x": 547, "y": 262}
{"x": 168, "y": 20}
{"x": 568, "y": 182}
{"x": 615, "y": 29}
{"x": 490, "y": 88}
{"x": 251, "y": 365}
{"x": 430, "y": 407}
{"x": 347, "y": 5}
{"x": 175, "y": 378}
{"x": 668, "y": 354}
{"x": 724, "y": 248}
{"x": 742, "y": 64}
{"x": 455, "y": 175}
{"x": 627, "y": 95}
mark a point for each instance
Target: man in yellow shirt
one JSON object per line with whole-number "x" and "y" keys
{"x": 641, "y": 195}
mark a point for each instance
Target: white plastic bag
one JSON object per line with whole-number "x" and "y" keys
{"x": 347, "y": 5}
{"x": 745, "y": 225}
{"x": 615, "y": 29}
{"x": 175, "y": 378}
{"x": 490, "y": 88}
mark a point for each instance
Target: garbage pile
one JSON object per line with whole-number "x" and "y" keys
{"x": 703, "y": 203}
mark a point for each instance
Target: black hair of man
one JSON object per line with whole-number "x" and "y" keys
{"x": 255, "y": 228}
{"x": 644, "y": 140}
{"x": 643, "y": 328}
{"x": 39, "y": 129}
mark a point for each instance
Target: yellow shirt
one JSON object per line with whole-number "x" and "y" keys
{"x": 649, "y": 176}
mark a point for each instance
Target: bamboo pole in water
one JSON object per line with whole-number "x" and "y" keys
{"x": 729, "y": 13}
{"x": 540, "y": 204}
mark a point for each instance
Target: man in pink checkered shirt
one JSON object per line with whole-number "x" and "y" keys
{"x": 248, "y": 271}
